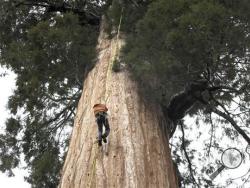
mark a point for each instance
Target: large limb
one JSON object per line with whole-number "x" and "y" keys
{"x": 90, "y": 16}
{"x": 179, "y": 105}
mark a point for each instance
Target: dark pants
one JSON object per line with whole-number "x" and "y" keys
{"x": 102, "y": 120}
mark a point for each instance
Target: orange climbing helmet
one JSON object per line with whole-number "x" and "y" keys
{"x": 100, "y": 108}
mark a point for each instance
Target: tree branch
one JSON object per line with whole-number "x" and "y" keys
{"x": 90, "y": 17}
{"x": 186, "y": 154}
{"x": 75, "y": 96}
{"x": 223, "y": 87}
{"x": 61, "y": 122}
{"x": 38, "y": 4}
{"x": 58, "y": 115}
{"x": 233, "y": 123}
{"x": 226, "y": 116}
{"x": 212, "y": 132}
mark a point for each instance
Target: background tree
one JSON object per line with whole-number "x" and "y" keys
{"x": 50, "y": 45}
{"x": 50, "y": 53}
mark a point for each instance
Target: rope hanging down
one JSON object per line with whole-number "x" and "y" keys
{"x": 114, "y": 56}
{"x": 109, "y": 75}
{"x": 93, "y": 167}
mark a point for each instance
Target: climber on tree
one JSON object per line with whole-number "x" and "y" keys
{"x": 100, "y": 111}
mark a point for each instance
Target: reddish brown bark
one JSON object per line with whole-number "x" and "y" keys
{"x": 138, "y": 150}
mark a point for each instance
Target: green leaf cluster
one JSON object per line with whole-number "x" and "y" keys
{"x": 178, "y": 41}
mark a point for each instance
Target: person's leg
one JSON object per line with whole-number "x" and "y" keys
{"x": 107, "y": 128}
{"x": 99, "y": 123}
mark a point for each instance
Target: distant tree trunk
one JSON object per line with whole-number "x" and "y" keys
{"x": 138, "y": 149}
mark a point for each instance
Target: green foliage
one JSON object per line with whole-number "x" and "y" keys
{"x": 168, "y": 44}
{"x": 13, "y": 126}
{"x": 128, "y": 13}
{"x": 51, "y": 53}
{"x": 179, "y": 40}
{"x": 45, "y": 168}
{"x": 176, "y": 42}
{"x": 10, "y": 157}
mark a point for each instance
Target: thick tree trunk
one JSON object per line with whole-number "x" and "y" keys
{"x": 138, "y": 150}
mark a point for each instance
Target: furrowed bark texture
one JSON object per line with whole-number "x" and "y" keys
{"x": 138, "y": 151}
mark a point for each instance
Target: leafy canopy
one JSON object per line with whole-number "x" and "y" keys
{"x": 181, "y": 40}
{"x": 50, "y": 45}
{"x": 51, "y": 53}
{"x": 178, "y": 42}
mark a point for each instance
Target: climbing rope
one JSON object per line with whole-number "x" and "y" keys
{"x": 113, "y": 57}
{"x": 93, "y": 167}
{"x": 108, "y": 75}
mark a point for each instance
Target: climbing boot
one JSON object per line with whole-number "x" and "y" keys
{"x": 104, "y": 138}
{"x": 99, "y": 142}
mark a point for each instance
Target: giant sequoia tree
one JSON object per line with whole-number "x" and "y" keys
{"x": 170, "y": 47}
